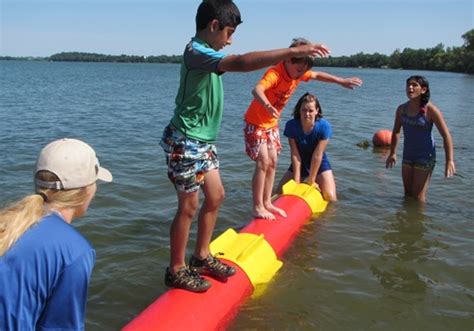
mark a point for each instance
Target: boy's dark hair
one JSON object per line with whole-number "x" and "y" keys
{"x": 309, "y": 60}
{"x": 307, "y": 97}
{"x": 425, "y": 97}
{"x": 225, "y": 11}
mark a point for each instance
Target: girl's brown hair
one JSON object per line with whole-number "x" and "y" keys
{"x": 307, "y": 97}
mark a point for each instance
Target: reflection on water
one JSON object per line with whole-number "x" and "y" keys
{"x": 406, "y": 243}
{"x": 382, "y": 151}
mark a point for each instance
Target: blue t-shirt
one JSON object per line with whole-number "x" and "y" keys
{"x": 44, "y": 278}
{"x": 306, "y": 142}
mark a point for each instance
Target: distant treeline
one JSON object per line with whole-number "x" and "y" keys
{"x": 92, "y": 57}
{"x": 439, "y": 58}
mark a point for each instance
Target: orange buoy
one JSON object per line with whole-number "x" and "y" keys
{"x": 382, "y": 138}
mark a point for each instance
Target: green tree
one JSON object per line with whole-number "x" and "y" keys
{"x": 469, "y": 51}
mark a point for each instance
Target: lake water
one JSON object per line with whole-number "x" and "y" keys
{"x": 372, "y": 261}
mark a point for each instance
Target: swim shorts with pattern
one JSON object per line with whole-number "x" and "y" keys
{"x": 255, "y": 136}
{"x": 187, "y": 159}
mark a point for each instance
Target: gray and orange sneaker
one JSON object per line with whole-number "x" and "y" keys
{"x": 186, "y": 279}
{"x": 211, "y": 266}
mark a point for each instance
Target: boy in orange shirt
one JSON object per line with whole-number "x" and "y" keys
{"x": 261, "y": 132}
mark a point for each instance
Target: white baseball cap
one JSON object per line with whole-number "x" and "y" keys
{"x": 74, "y": 162}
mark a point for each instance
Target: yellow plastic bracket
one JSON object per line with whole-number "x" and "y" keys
{"x": 250, "y": 252}
{"x": 308, "y": 193}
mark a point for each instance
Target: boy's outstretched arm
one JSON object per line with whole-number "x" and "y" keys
{"x": 261, "y": 59}
{"x": 349, "y": 83}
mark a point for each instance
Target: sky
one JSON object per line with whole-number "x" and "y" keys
{"x": 156, "y": 27}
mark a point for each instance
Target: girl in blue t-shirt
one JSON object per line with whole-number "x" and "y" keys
{"x": 308, "y": 135}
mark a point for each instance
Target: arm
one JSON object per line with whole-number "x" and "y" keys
{"x": 259, "y": 94}
{"x": 316, "y": 161}
{"x": 295, "y": 160}
{"x": 349, "y": 83}
{"x": 435, "y": 114}
{"x": 258, "y": 60}
{"x": 392, "y": 157}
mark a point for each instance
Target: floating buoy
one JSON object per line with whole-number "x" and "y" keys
{"x": 382, "y": 138}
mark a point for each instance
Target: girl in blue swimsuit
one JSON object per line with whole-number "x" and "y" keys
{"x": 417, "y": 117}
{"x": 308, "y": 135}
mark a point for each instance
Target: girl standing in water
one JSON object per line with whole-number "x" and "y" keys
{"x": 417, "y": 117}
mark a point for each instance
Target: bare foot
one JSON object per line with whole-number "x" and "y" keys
{"x": 263, "y": 213}
{"x": 271, "y": 208}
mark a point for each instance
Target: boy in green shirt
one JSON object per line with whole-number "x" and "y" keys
{"x": 188, "y": 140}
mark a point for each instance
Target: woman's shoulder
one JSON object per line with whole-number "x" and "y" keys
{"x": 64, "y": 243}
{"x": 62, "y": 233}
{"x": 292, "y": 128}
{"x": 432, "y": 112}
{"x": 431, "y": 107}
{"x": 293, "y": 122}
{"x": 322, "y": 122}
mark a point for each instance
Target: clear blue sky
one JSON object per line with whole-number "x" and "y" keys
{"x": 146, "y": 27}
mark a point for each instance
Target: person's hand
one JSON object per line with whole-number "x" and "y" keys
{"x": 314, "y": 50}
{"x": 391, "y": 161}
{"x": 312, "y": 183}
{"x": 351, "y": 82}
{"x": 450, "y": 169}
{"x": 272, "y": 110}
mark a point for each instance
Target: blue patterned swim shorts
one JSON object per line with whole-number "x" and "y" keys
{"x": 422, "y": 164}
{"x": 187, "y": 159}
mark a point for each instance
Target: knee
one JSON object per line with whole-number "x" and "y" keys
{"x": 220, "y": 197}
{"x": 214, "y": 200}
{"x": 272, "y": 163}
{"x": 188, "y": 210}
{"x": 330, "y": 196}
{"x": 421, "y": 197}
{"x": 263, "y": 163}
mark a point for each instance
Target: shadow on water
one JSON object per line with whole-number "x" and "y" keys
{"x": 406, "y": 248}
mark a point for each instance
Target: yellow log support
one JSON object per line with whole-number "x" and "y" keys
{"x": 308, "y": 193}
{"x": 250, "y": 252}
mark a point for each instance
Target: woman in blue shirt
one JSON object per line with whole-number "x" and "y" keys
{"x": 308, "y": 135}
{"x": 45, "y": 264}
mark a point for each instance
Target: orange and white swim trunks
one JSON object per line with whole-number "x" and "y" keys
{"x": 256, "y": 136}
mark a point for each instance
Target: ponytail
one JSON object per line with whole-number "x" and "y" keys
{"x": 18, "y": 217}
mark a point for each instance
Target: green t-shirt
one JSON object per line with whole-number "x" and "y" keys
{"x": 200, "y": 98}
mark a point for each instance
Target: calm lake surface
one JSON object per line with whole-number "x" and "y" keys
{"x": 372, "y": 261}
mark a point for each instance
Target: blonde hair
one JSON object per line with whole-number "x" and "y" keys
{"x": 18, "y": 217}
